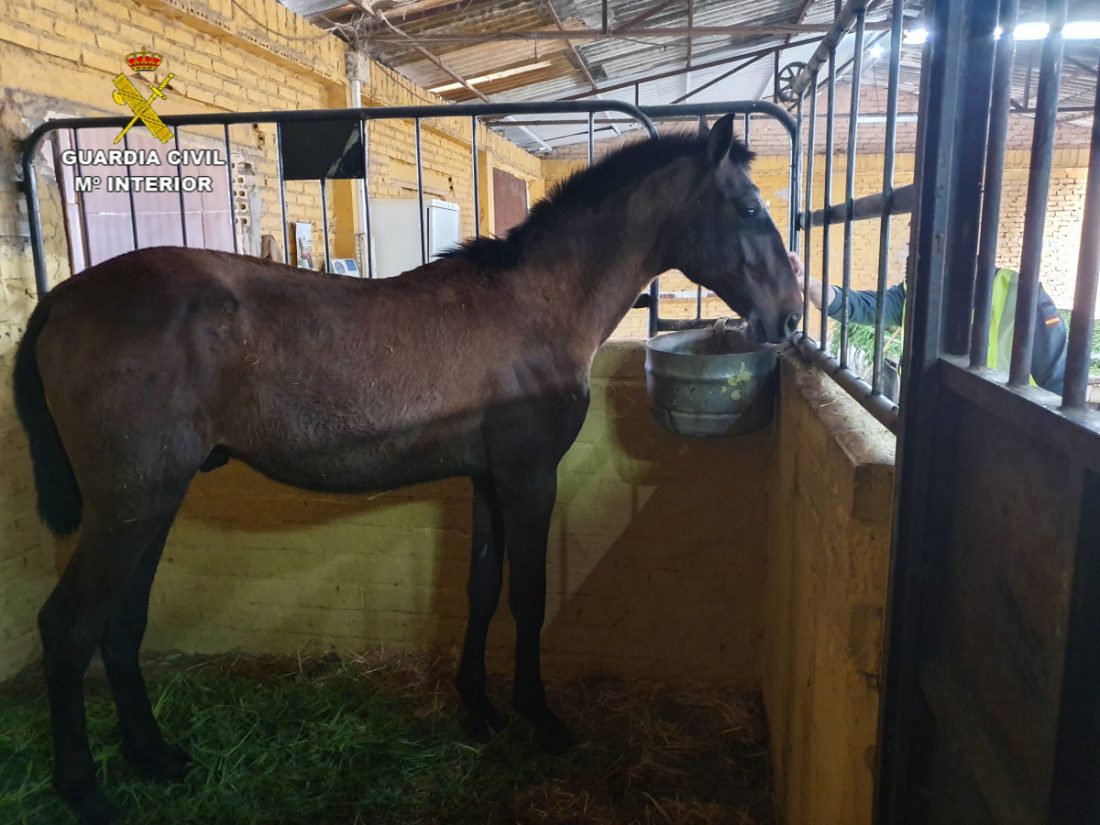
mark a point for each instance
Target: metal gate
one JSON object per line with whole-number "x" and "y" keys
{"x": 991, "y": 707}
{"x": 644, "y": 116}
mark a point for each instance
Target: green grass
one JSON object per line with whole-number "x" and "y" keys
{"x": 338, "y": 742}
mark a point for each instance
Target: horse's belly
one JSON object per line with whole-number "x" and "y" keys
{"x": 376, "y": 463}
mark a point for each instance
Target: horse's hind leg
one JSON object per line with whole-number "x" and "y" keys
{"x": 527, "y": 502}
{"x": 142, "y": 743}
{"x": 72, "y": 622}
{"x": 483, "y": 590}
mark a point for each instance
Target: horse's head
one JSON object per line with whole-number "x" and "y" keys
{"x": 731, "y": 245}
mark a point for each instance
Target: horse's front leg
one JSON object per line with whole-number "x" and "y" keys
{"x": 483, "y": 591}
{"x": 527, "y": 504}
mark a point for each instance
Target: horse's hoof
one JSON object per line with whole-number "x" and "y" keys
{"x": 484, "y": 722}
{"x": 166, "y": 764}
{"x": 551, "y": 734}
{"x": 88, "y": 803}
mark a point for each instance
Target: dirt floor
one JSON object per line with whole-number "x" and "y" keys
{"x": 378, "y": 739}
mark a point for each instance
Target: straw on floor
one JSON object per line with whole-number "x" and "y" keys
{"x": 377, "y": 739}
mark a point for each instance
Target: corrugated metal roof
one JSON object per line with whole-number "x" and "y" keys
{"x": 543, "y": 66}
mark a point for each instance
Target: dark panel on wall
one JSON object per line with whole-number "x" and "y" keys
{"x": 509, "y": 201}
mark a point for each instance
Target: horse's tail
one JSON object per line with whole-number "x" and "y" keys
{"x": 59, "y": 500}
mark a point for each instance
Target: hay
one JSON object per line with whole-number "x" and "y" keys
{"x": 376, "y": 739}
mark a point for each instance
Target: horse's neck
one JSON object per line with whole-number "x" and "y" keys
{"x": 607, "y": 257}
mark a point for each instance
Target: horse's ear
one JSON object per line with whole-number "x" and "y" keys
{"x": 720, "y": 139}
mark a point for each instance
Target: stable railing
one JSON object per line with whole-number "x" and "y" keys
{"x": 644, "y": 117}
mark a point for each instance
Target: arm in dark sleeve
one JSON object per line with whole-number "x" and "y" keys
{"x": 1048, "y": 354}
{"x": 863, "y": 302}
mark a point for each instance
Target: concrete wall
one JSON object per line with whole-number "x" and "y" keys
{"x": 828, "y": 549}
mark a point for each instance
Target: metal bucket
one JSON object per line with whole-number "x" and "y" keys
{"x": 710, "y": 382}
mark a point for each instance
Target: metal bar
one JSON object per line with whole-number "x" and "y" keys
{"x": 806, "y": 259}
{"x": 324, "y": 224}
{"x": 899, "y": 201}
{"x": 745, "y": 129}
{"x": 849, "y": 209}
{"x": 420, "y": 193}
{"x": 994, "y": 175}
{"x": 179, "y": 177}
{"x": 826, "y": 200}
{"x": 712, "y": 64}
{"x": 30, "y": 187}
{"x": 477, "y": 185}
{"x": 737, "y": 107}
{"x": 648, "y": 13}
{"x": 795, "y": 187}
{"x": 943, "y": 67}
{"x": 364, "y": 113}
{"x": 130, "y": 192}
{"x": 1088, "y": 266}
{"x": 703, "y": 86}
{"x": 591, "y": 137}
{"x": 889, "y": 147}
{"x": 1038, "y": 185}
{"x": 83, "y": 222}
{"x": 282, "y": 191}
{"x": 970, "y": 142}
{"x": 364, "y": 133}
{"x": 836, "y": 32}
{"x": 229, "y": 181}
{"x": 745, "y": 30}
{"x": 880, "y": 406}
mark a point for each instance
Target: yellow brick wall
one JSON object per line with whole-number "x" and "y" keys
{"x": 828, "y": 551}
{"x": 656, "y": 564}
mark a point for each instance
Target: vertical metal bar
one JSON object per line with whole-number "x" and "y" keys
{"x": 1088, "y": 266}
{"x": 34, "y": 216}
{"x": 698, "y": 302}
{"x": 80, "y": 197}
{"x": 179, "y": 179}
{"x": 477, "y": 189}
{"x": 827, "y": 197}
{"x": 1000, "y": 100}
{"x": 364, "y": 133}
{"x": 282, "y": 190}
{"x": 795, "y": 185}
{"x": 889, "y": 146}
{"x": 324, "y": 224}
{"x": 420, "y": 193}
{"x": 849, "y": 200}
{"x": 591, "y": 147}
{"x": 130, "y": 191}
{"x": 746, "y": 138}
{"x": 973, "y": 126}
{"x": 807, "y": 226}
{"x": 229, "y": 180}
{"x": 943, "y": 67}
{"x": 1038, "y": 185}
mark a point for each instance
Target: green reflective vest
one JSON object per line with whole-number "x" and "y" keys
{"x": 1002, "y": 319}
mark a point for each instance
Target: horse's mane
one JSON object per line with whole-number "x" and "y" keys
{"x": 587, "y": 188}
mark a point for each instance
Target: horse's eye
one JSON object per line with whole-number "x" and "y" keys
{"x": 748, "y": 212}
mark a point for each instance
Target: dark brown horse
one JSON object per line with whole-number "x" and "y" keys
{"x": 149, "y": 367}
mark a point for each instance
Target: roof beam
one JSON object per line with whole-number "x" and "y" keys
{"x": 744, "y": 29}
{"x": 719, "y": 79}
{"x": 444, "y": 67}
{"x": 645, "y": 15}
{"x": 580, "y": 60}
{"x": 725, "y": 61}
